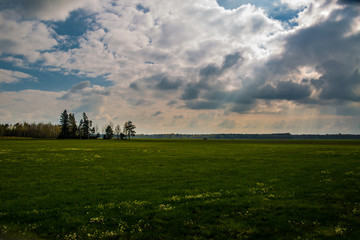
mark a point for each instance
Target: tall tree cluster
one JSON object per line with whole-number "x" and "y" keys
{"x": 70, "y": 129}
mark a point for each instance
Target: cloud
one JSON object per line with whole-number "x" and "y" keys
{"x": 134, "y": 86}
{"x": 209, "y": 81}
{"x": 79, "y": 86}
{"x": 57, "y": 10}
{"x": 178, "y": 117}
{"x": 31, "y": 106}
{"x": 26, "y": 38}
{"x": 139, "y": 102}
{"x": 156, "y": 113}
{"x": 8, "y": 76}
{"x": 203, "y": 104}
{"x": 159, "y": 82}
{"x": 330, "y": 87}
{"x": 329, "y": 48}
{"x": 349, "y": 2}
{"x": 172, "y": 103}
{"x": 84, "y": 88}
{"x": 287, "y": 90}
{"x": 190, "y": 92}
{"x": 228, "y": 124}
{"x": 327, "y": 52}
{"x": 166, "y": 84}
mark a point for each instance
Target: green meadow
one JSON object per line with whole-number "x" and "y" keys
{"x": 179, "y": 189}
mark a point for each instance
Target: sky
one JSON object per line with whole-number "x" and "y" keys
{"x": 204, "y": 66}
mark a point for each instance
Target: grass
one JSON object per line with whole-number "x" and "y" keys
{"x": 179, "y": 189}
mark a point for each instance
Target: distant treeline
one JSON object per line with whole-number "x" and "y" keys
{"x": 49, "y": 130}
{"x": 34, "y": 130}
{"x": 67, "y": 129}
{"x": 248, "y": 136}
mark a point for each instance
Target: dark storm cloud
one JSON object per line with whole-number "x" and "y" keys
{"x": 333, "y": 51}
{"x": 338, "y": 86}
{"x": 213, "y": 70}
{"x": 242, "y": 108}
{"x": 203, "y": 104}
{"x": 134, "y": 86}
{"x": 190, "y": 93}
{"x": 208, "y": 80}
{"x": 284, "y": 90}
{"x": 216, "y": 95}
{"x": 243, "y": 100}
{"x": 158, "y": 82}
{"x": 166, "y": 84}
{"x": 349, "y": 2}
{"x": 328, "y": 46}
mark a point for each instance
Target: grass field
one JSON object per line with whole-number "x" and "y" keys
{"x": 179, "y": 189}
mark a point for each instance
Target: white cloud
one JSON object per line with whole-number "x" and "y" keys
{"x": 316, "y": 12}
{"x": 8, "y": 76}
{"x": 24, "y": 38}
{"x": 177, "y": 37}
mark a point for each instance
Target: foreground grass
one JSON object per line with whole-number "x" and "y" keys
{"x": 179, "y": 189}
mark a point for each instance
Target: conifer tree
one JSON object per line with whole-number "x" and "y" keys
{"x": 85, "y": 127}
{"x": 73, "y": 129}
{"x": 109, "y": 133}
{"x": 64, "y": 122}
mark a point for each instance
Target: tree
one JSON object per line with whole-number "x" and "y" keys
{"x": 85, "y": 127}
{"x": 73, "y": 129}
{"x": 64, "y": 122}
{"x": 109, "y": 133}
{"x": 128, "y": 129}
{"x": 117, "y": 131}
{"x": 93, "y": 135}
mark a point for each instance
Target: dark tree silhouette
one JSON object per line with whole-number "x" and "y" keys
{"x": 109, "y": 133}
{"x": 64, "y": 122}
{"x": 85, "y": 127}
{"x": 73, "y": 129}
{"x": 128, "y": 129}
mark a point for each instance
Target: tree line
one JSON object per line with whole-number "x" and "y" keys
{"x": 67, "y": 129}
{"x": 85, "y": 130}
{"x": 34, "y": 130}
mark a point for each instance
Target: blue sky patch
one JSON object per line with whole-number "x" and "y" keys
{"x": 274, "y": 9}
{"x": 47, "y": 79}
{"x": 76, "y": 24}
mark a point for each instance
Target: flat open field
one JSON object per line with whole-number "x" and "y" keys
{"x": 179, "y": 189}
